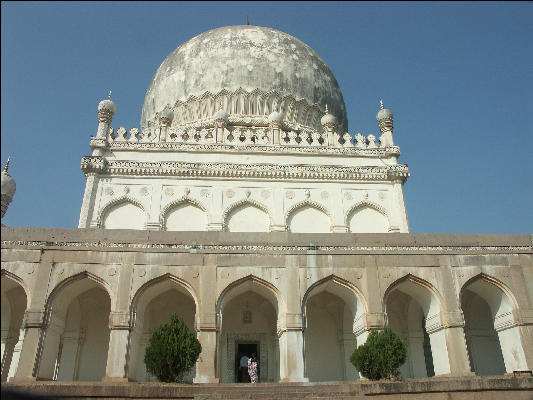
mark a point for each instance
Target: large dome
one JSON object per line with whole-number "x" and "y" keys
{"x": 245, "y": 59}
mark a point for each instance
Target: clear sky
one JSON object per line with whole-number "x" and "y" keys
{"x": 457, "y": 76}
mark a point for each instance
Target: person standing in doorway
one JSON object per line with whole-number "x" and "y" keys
{"x": 243, "y": 368}
{"x": 252, "y": 369}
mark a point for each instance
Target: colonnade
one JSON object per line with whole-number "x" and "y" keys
{"x": 85, "y": 331}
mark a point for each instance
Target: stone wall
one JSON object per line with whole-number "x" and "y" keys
{"x": 418, "y": 284}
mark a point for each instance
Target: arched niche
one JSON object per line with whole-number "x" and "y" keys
{"x": 335, "y": 304}
{"x": 247, "y": 217}
{"x": 493, "y": 338}
{"x": 413, "y": 309}
{"x": 153, "y": 305}
{"x": 308, "y": 218}
{"x": 76, "y": 339}
{"x": 248, "y": 312}
{"x": 123, "y": 215}
{"x": 367, "y": 218}
{"x": 14, "y": 303}
{"x": 185, "y": 216}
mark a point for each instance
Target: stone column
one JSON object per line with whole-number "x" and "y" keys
{"x": 119, "y": 323}
{"x": 206, "y": 322}
{"x": 29, "y": 355}
{"x": 8, "y": 347}
{"x": 291, "y": 351}
{"x": 205, "y": 367}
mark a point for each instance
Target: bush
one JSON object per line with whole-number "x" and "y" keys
{"x": 172, "y": 351}
{"x": 381, "y": 356}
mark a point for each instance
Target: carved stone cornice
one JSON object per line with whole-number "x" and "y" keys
{"x": 93, "y": 165}
{"x": 267, "y": 248}
{"x": 381, "y": 152}
{"x": 245, "y": 171}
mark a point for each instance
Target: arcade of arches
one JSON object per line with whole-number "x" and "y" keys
{"x": 86, "y": 313}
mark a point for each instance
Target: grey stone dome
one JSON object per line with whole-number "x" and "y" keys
{"x": 8, "y": 185}
{"x": 107, "y": 105}
{"x": 247, "y": 57}
{"x": 384, "y": 113}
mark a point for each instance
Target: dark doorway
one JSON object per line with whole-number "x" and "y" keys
{"x": 242, "y": 349}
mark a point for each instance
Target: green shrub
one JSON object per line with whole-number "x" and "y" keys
{"x": 381, "y": 356}
{"x": 172, "y": 351}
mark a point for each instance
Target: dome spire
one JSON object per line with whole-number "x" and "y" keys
{"x": 381, "y": 107}
{"x": 7, "y": 164}
{"x": 247, "y": 22}
{"x": 109, "y": 95}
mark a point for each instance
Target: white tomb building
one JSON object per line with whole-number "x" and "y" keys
{"x": 244, "y": 205}
{"x": 244, "y": 129}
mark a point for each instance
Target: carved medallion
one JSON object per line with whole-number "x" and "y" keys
{"x": 204, "y": 193}
{"x": 143, "y": 191}
{"x": 324, "y": 195}
{"x": 230, "y": 193}
{"x": 289, "y": 194}
{"x": 109, "y": 191}
{"x": 169, "y": 191}
{"x": 265, "y": 194}
{"x": 348, "y": 196}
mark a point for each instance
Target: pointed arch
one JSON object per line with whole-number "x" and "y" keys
{"x": 74, "y": 278}
{"x": 118, "y": 201}
{"x": 342, "y": 283}
{"x": 251, "y": 279}
{"x": 186, "y": 199}
{"x": 427, "y": 307}
{"x": 301, "y": 205}
{"x": 365, "y": 203}
{"x": 493, "y": 281}
{"x": 254, "y": 203}
{"x": 160, "y": 279}
{"x": 20, "y": 281}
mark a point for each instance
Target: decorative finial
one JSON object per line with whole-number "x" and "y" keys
{"x": 327, "y": 109}
{"x": 7, "y": 164}
{"x": 247, "y": 22}
{"x": 109, "y": 95}
{"x": 381, "y": 104}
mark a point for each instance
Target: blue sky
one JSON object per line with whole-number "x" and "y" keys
{"x": 458, "y": 77}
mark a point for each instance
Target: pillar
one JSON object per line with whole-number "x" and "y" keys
{"x": 116, "y": 368}
{"x": 29, "y": 355}
{"x": 291, "y": 355}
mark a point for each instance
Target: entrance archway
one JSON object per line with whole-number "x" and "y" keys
{"x": 248, "y": 313}
{"x": 152, "y": 306}
{"x": 492, "y": 336}
{"x": 14, "y": 303}
{"x": 413, "y": 312}
{"x": 334, "y": 304}
{"x": 76, "y": 340}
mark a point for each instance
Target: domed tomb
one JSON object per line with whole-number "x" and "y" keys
{"x": 249, "y": 72}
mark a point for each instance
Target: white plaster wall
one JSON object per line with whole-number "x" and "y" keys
{"x": 368, "y": 220}
{"x": 124, "y": 216}
{"x": 186, "y": 217}
{"x": 309, "y": 220}
{"x": 277, "y": 197}
{"x": 248, "y": 218}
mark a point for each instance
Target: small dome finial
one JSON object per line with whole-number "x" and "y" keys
{"x": 109, "y": 95}
{"x": 381, "y": 104}
{"x": 327, "y": 109}
{"x": 247, "y": 22}
{"x": 7, "y": 164}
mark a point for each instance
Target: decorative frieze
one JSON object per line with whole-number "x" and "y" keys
{"x": 227, "y": 170}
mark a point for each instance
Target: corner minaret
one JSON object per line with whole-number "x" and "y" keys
{"x": 8, "y": 188}
{"x": 386, "y": 125}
